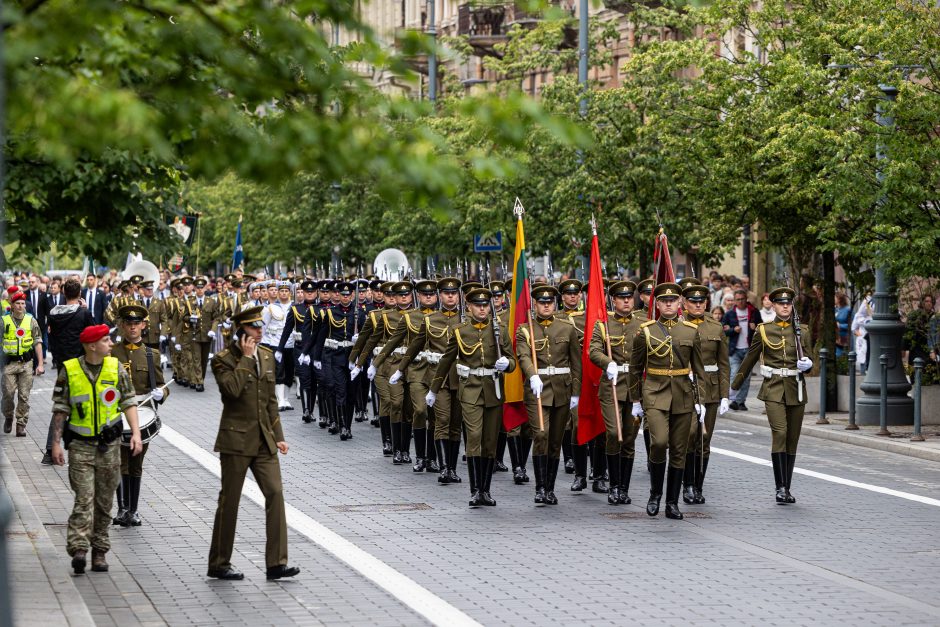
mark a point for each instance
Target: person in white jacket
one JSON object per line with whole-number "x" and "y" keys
{"x": 274, "y": 317}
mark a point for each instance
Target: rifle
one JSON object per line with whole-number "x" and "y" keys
{"x": 499, "y": 350}
{"x": 795, "y": 320}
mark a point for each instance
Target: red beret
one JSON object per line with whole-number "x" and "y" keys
{"x": 93, "y": 333}
{"x": 13, "y": 289}
{"x": 18, "y": 296}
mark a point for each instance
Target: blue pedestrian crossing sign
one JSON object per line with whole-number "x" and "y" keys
{"x": 488, "y": 243}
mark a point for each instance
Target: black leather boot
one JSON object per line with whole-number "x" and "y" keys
{"x": 500, "y": 451}
{"x": 335, "y": 419}
{"x": 405, "y": 446}
{"x": 613, "y": 466}
{"x": 673, "y": 486}
{"x": 688, "y": 480}
{"x": 513, "y": 458}
{"x": 779, "y": 461}
{"x": 657, "y": 475}
{"x": 453, "y": 452}
{"x": 434, "y": 463}
{"x": 420, "y": 452}
{"x": 700, "y": 479}
{"x": 472, "y": 463}
{"x": 441, "y": 447}
{"x": 551, "y": 474}
{"x": 791, "y": 461}
{"x": 349, "y": 420}
{"x": 343, "y": 431}
{"x": 385, "y": 430}
{"x": 486, "y": 475}
{"x": 566, "y": 452}
{"x": 646, "y": 443}
{"x": 579, "y": 454}
{"x": 626, "y": 471}
{"x": 524, "y": 456}
{"x": 538, "y": 463}
{"x": 396, "y": 443}
{"x": 122, "y": 500}
{"x": 599, "y": 464}
{"x": 133, "y": 518}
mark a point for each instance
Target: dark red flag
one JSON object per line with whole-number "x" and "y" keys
{"x": 590, "y": 419}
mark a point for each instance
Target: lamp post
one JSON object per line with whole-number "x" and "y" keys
{"x": 432, "y": 55}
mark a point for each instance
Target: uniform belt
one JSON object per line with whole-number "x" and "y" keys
{"x": 20, "y": 358}
{"x": 768, "y": 372}
{"x": 401, "y": 350}
{"x": 623, "y": 367}
{"x": 553, "y": 370}
{"x": 668, "y": 372}
{"x": 712, "y": 368}
{"x": 464, "y": 371}
{"x": 430, "y": 356}
{"x": 336, "y": 344}
{"x": 376, "y": 351}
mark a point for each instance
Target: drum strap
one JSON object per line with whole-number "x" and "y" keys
{"x": 151, "y": 373}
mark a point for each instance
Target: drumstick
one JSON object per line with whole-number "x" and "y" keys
{"x": 149, "y": 397}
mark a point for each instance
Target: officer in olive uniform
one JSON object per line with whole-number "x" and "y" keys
{"x": 554, "y": 383}
{"x": 713, "y": 387}
{"x": 479, "y": 361}
{"x": 645, "y": 290}
{"x": 153, "y": 332}
{"x": 414, "y": 371}
{"x": 610, "y": 350}
{"x": 250, "y": 436}
{"x": 783, "y": 391}
{"x": 188, "y": 329}
{"x": 664, "y": 352}
{"x": 498, "y": 290}
{"x": 206, "y": 309}
{"x": 143, "y": 364}
{"x": 431, "y": 342}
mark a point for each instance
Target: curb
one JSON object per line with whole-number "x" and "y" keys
{"x": 55, "y": 568}
{"x": 878, "y": 444}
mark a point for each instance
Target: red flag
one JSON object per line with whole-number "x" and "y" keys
{"x": 590, "y": 419}
{"x": 663, "y": 265}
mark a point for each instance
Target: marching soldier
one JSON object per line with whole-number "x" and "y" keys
{"x": 431, "y": 342}
{"x": 143, "y": 364}
{"x": 713, "y": 387}
{"x": 300, "y": 325}
{"x": 479, "y": 362}
{"x": 275, "y": 318}
{"x": 645, "y": 289}
{"x": 498, "y": 289}
{"x": 206, "y": 310}
{"x": 414, "y": 371}
{"x": 619, "y": 332}
{"x": 187, "y": 328}
{"x": 664, "y": 352}
{"x": 153, "y": 333}
{"x": 554, "y": 383}
{"x": 776, "y": 344}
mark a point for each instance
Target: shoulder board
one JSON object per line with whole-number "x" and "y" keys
{"x": 689, "y": 324}
{"x": 264, "y": 348}
{"x": 577, "y": 313}
{"x": 647, "y": 323}
{"x": 222, "y": 353}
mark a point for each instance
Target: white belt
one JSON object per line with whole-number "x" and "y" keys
{"x": 401, "y": 350}
{"x": 623, "y": 367}
{"x": 297, "y": 336}
{"x": 713, "y": 368}
{"x": 376, "y": 351}
{"x": 553, "y": 370}
{"x": 466, "y": 371}
{"x": 430, "y": 356}
{"x": 768, "y": 372}
{"x": 337, "y": 344}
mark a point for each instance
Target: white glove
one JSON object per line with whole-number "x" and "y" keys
{"x": 117, "y": 339}
{"x": 535, "y": 384}
{"x": 157, "y": 394}
{"x": 352, "y": 366}
{"x": 395, "y": 378}
{"x": 163, "y": 338}
{"x": 502, "y": 364}
{"x": 700, "y": 410}
{"x": 226, "y": 325}
{"x": 305, "y": 359}
{"x": 804, "y": 363}
{"x": 173, "y": 339}
{"x": 724, "y": 407}
{"x": 211, "y": 335}
{"x": 637, "y": 410}
{"x": 612, "y": 371}
{"x": 178, "y": 347}
{"x": 574, "y": 402}
{"x": 319, "y": 365}
{"x": 355, "y": 337}
{"x": 278, "y": 356}
{"x": 429, "y": 398}
{"x": 371, "y": 372}
{"x": 211, "y": 355}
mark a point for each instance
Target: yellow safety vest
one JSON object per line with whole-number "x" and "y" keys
{"x": 7, "y": 306}
{"x": 93, "y": 407}
{"x": 17, "y": 340}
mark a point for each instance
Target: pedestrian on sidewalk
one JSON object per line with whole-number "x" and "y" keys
{"x": 739, "y": 324}
{"x": 22, "y": 343}
{"x": 250, "y": 436}
{"x": 89, "y": 396}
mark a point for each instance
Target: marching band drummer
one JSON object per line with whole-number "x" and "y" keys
{"x": 143, "y": 365}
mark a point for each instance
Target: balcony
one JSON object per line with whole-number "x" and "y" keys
{"x": 406, "y": 44}
{"x": 483, "y": 25}
{"x": 628, "y": 6}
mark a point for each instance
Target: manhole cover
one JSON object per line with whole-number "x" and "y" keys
{"x": 642, "y": 515}
{"x": 380, "y": 508}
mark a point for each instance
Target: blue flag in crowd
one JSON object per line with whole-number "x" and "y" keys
{"x": 238, "y": 257}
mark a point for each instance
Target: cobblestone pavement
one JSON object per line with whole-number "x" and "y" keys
{"x": 843, "y": 554}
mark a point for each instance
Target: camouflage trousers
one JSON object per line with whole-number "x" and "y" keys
{"x": 17, "y": 381}
{"x": 94, "y": 477}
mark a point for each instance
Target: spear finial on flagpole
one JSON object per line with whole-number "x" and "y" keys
{"x": 593, "y": 225}
{"x": 517, "y": 208}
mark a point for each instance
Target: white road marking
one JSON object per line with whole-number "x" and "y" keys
{"x": 847, "y": 482}
{"x": 433, "y": 608}
{"x": 727, "y": 432}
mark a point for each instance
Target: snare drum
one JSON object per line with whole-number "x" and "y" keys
{"x": 149, "y": 423}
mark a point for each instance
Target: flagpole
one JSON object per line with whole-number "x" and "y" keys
{"x": 610, "y": 354}
{"x": 519, "y": 210}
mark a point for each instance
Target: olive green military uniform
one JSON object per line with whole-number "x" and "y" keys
{"x": 93, "y": 472}
{"x": 134, "y": 358}
{"x": 208, "y": 312}
{"x": 360, "y": 357}
{"x": 249, "y": 431}
{"x": 156, "y": 311}
{"x": 18, "y": 372}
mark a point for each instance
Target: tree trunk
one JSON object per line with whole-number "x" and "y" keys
{"x": 829, "y": 326}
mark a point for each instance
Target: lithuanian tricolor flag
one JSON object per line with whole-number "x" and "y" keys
{"x": 514, "y": 413}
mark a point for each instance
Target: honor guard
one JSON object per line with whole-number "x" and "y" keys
{"x": 610, "y": 349}
{"x": 361, "y": 386}
{"x": 206, "y": 310}
{"x": 781, "y": 347}
{"x": 153, "y": 335}
{"x": 275, "y": 317}
{"x": 498, "y": 290}
{"x": 713, "y": 387}
{"x": 645, "y": 290}
{"x": 172, "y": 308}
{"x": 479, "y": 354}
{"x": 665, "y": 352}
{"x": 374, "y": 324}
{"x": 549, "y": 353}
{"x": 188, "y": 330}
{"x": 143, "y": 364}
{"x": 299, "y": 326}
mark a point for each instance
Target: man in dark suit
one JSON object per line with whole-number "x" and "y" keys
{"x": 94, "y": 298}
{"x": 36, "y": 307}
{"x": 54, "y": 297}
